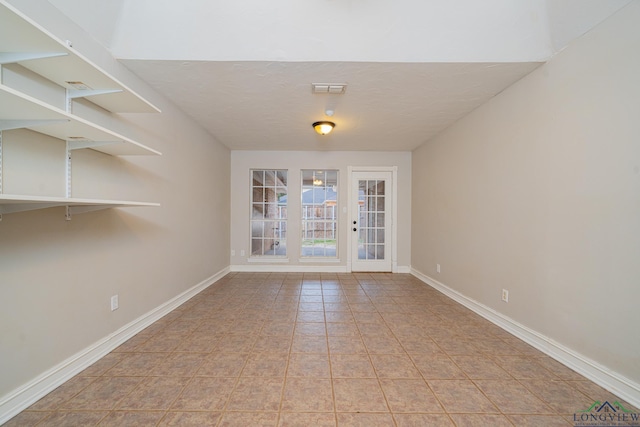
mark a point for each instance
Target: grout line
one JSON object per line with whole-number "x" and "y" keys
{"x": 286, "y": 369}
{"x": 326, "y": 332}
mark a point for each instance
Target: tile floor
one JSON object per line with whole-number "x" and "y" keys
{"x": 260, "y": 349}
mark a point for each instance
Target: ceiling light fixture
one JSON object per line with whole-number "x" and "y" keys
{"x": 323, "y": 127}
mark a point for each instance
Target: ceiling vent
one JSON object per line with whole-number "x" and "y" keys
{"x": 330, "y": 88}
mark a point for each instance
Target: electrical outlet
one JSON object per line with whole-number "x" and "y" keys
{"x": 505, "y": 295}
{"x": 114, "y": 302}
{"x": 233, "y": 252}
{"x": 241, "y": 252}
{"x": 437, "y": 268}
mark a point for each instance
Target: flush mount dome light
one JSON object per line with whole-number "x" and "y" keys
{"x": 324, "y": 127}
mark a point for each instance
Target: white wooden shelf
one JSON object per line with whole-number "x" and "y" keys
{"x": 18, "y": 203}
{"x": 18, "y": 110}
{"x": 24, "y": 42}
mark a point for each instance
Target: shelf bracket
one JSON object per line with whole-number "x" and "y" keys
{"x": 14, "y": 57}
{"x": 73, "y": 210}
{"x": 68, "y": 171}
{"x": 79, "y": 93}
{"x": 72, "y": 94}
{"x": 80, "y": 144}
{"x": 21, "y": 124}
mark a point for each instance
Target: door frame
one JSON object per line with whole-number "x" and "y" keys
{"x": 394, "y": 211}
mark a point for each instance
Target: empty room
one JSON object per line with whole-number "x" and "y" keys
{"x": 321, "y": 213}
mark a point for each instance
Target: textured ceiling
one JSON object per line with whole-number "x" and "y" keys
{"x": 270, "y": 105}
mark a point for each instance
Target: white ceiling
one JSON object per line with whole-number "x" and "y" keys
{"x": 243, "y": 70}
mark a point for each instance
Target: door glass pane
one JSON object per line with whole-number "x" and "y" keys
{"x": 371, "y": 219}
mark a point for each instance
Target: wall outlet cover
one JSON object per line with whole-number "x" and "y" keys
{"x": 114, "y": 302}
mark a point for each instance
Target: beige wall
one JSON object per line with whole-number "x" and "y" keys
{"x": 538, "y": 192}
{"x": 243, "y": 161}
{"x": 57, "y": 276}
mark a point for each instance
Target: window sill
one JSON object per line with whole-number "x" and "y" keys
{"x": 270, "y": 260}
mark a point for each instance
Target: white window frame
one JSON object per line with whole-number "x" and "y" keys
{"x": 306, "y": 219}
{"x": 257, "y": 224}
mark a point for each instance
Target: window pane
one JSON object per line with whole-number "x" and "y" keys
{"x": 269, "y": 178}
{"x": 256, "y": 229}
{"x": 257, "y": 211}
{"x": 307, "y": 178}
{"x": 258, "y": 178}
{"x": 257, "y": 194}
{"x": 282, "y": 178}
{"x": 256, "y": 246}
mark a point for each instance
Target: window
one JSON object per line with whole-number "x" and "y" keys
{"x": 268, "y": 212}
{"x": 319, "y": 213}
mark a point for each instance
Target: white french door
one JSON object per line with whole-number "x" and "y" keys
{"x": 371, "y": 220}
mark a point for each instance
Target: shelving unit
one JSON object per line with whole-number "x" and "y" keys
{"x": 32, "y": 47}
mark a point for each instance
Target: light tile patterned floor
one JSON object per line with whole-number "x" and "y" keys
{"x": 260, "y": 349}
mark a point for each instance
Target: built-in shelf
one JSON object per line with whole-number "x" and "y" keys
{"x": 36, "y": 50}
{"x": 24, "y": 42}
{"x": 18, "y": 110}
{"x": 19, "y": 203}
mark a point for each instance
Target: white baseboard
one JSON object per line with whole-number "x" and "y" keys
{"x": 275, "y": 268}
{"x": 321, "y": 268}
{"x": 599, "y": 374}
{"x": 23, "y": 397}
